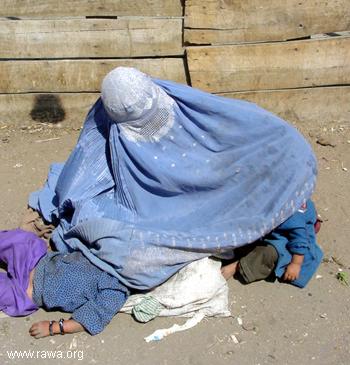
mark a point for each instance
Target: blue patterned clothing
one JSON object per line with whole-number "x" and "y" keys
{"x": 195, "y": 175}
{"x": 71, "y": 283}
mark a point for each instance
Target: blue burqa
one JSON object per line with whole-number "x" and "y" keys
{"x": 223, "y": 174}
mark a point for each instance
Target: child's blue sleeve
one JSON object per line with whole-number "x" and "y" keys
{"x": 96, "y": 313}
{"x": 294, "y": 229}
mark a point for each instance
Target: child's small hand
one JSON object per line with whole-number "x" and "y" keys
{"x": 292, "y": 272}
{"x": 40, "y": 329}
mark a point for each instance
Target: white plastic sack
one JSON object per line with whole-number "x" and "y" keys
{"x": 198, "y": 287}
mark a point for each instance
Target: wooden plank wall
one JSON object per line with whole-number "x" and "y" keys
{"x": 223, "y": 21}
{"x": 69, "y": 8}
{"x": 54, "y": 54}
{"x": 272, "y": 53}
{"x": 77, "y": 38}
{"x": 276, "y": 53}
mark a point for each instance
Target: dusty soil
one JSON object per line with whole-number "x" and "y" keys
{"x": 280, "y": 323}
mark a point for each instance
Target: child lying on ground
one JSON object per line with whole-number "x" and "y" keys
{"x": 56, "y": 281}
{"x": 290, "y": 251}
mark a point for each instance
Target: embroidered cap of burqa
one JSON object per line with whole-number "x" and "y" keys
{"x": 164, "y": 174}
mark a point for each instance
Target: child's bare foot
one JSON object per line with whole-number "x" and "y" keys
{"x": 229, "y": 270}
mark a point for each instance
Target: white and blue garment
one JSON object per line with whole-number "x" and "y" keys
{"x": 164, "y": 174}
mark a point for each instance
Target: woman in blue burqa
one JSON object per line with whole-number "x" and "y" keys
{"x": 164, "y": 174}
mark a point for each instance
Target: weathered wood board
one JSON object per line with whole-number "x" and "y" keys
{"x": 320, "y": 105}
{"x": 68, "y": 109}
{"x": 71, "y": 38}
{"x": 41, "y": 8}
{"x": 219, "y": 21}
{"x": 78, "y": 75}
{"x": 275, "y": 65}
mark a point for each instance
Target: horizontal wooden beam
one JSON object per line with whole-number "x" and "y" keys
{"x": 276, "y": 65}
{"x": 24, "y": 109}
{"x": 318, "y": 106}
{"x": 78, "y": 75}
{"x": 321, "y": 105}
{"x": 216, "y": 21}
{"x": 41, "y": 8}
{"x": 75, "y": 38}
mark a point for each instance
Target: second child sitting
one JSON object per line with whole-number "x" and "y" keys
{"x": 289, "y": 252}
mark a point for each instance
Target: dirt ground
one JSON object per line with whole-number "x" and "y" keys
{"x": 281, "y": 324}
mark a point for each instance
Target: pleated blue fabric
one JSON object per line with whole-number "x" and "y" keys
{"x": 224, "y": 173}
